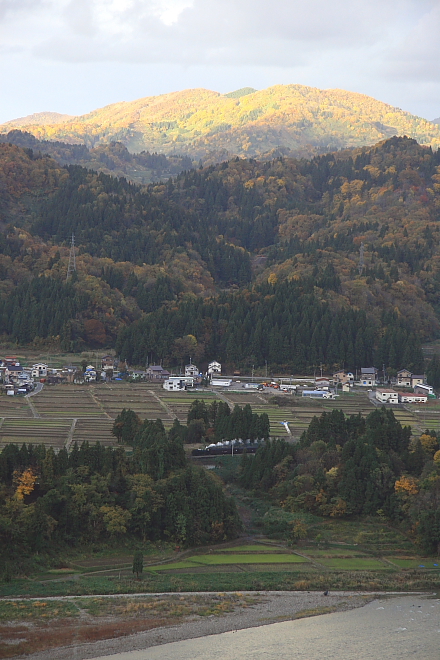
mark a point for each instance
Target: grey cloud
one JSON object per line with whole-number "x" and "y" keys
{"x": 279, "y": 33}
{"x": 417, "y": 56}
{"x": 8, "y": 7}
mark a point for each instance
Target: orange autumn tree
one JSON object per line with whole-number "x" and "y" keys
{"x": 25, "y": 483}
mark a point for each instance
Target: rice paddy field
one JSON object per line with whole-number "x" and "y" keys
{"x": 62, "y": 414}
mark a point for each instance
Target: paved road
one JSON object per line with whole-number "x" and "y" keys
{"x": 38, "y": 389}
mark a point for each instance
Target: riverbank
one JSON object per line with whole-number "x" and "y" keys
{"x": 117, "y": 625}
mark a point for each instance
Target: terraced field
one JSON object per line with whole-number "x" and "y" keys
{"x": 141, "y": 398}
{"x": 93, "y": 430}
{"x": 94, "y": 407}
{"x": 14, "y": 406}
{"x": 67, "y": 401}
{"x": 52, "y": 433}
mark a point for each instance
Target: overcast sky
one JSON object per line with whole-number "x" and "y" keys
{"x": 73, "y": 56}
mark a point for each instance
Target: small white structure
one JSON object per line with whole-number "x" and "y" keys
{"x": 214, "y": 368}
{"x": 221, "y": 382}
{"x": 39, "y": 370}
{"x": 317, "y": 394}
{"x": 345, "y": 387}
{"x": 413, "y": 398}
{"x": 387, "y": 396}
{"x": 424, "y": 389}
{"x": 191, "y": 370}
{"x": 90, "y": 374}
{"x": 322, "y": 383}
{"x": 368, "y": 377}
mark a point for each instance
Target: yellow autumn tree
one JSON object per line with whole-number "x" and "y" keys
{"x": 429, "y": 443}
{"x": 25, "y": 483}
{"x": 406, "y": 486}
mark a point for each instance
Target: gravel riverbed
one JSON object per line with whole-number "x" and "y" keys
{"x": 267, "y": 608}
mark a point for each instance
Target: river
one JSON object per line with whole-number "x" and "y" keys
{"x": 397, "y": 628}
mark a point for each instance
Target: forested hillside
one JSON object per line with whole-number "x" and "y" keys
{"x": 50, "y": 501}
{"x": 302, "y": 121}
{"x": 111, "y": 158}
{"x": 245, "y": 261}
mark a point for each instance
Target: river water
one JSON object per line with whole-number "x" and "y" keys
{"x": 393, "y": 628}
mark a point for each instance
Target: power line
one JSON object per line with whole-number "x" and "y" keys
{"x": 72, "y": 259}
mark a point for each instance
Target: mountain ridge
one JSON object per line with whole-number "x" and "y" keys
{"x": 197, "y": 122}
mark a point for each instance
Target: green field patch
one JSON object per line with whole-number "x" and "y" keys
{"x": 333, "y": 552}
{"x": 414, "y": 562}
{"x": 353, "y": 564}
{"x": 252, "y": 548}
{"x": 249, "y": 559}
{"x": 172, "y": 566}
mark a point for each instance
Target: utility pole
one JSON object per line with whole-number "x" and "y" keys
{"x": 72, "y": 259}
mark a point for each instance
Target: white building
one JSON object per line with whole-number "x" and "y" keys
{"x": 413, "y": 398}
{"x": 39, "y": 370}
{"x": 90, "y": 374}
{"x": 174, "y": 384}
{"x": 424, "y": 389}
{"x": 221, "y": 382}
{"x": 387, "y": 396}
{"x": 214, "y": 368}
{"x": 191, "y": 370}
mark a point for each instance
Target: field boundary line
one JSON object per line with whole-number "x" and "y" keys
{"x": 98, "y": 403}
{"x": 168, "y": 410}
{"x": 69, "y": 439}
{"x": 34, "y": 411}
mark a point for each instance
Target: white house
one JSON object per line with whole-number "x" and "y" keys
{"x": 214, "y": 368}
{"x": 387, "y": 396}
{"x": 174, "y": 384}
{"x": 413, "y": 398}
{"x": 39, "y": 370}
{"x": 191, "y": 370}
{"x": 368, "y": 377}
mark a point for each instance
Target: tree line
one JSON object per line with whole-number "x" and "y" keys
{"x": 346, "y": 466}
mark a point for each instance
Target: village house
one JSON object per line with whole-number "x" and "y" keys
{"x": 39, "y": 370}
{"x": 368, "y": 377}
{"x": 174, "y": 384}
{"x": 156, "y": 372}
{"x": 387, "y": 396}
{"x": 322, "y": 383}
{"x": 107, "y": 362}
{"x": 404, "y": 378}
{"x": 191, "y": 370}
{"x": 214, "y": 368}
{"x": 417, "y": 379}
{"x": 90, "y": 374}
{"x": 412, "y": 398}
{"x": 343, "y": 377}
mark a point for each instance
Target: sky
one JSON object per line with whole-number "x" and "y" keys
{"x": 73, "y": 56}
